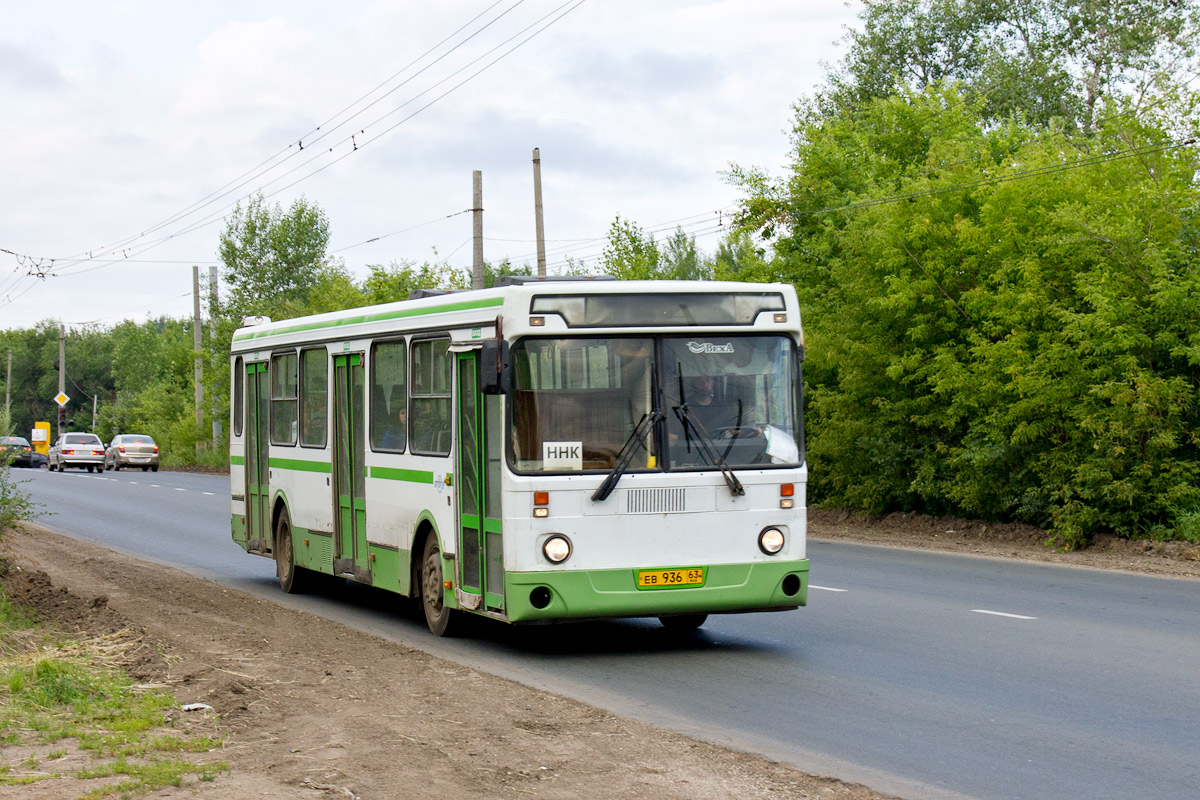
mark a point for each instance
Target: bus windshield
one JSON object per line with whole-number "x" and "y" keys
{"x": 577, "y": 402}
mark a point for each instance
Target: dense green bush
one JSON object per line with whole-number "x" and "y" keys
{"x": 1001, "y": 319}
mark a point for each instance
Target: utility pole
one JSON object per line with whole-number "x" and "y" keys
{"x": 7, "y": 384}
{"x": 198, "y": 365}
{"x": 212, "y": 335}
{"x": 62, "y": 374}
{"x": 537, "y": 212}
{"x": 477, "y": 220}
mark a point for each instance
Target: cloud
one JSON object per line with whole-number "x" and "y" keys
{"x": 24, "y": 69}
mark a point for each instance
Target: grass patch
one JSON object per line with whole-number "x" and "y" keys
{"x": 61, "y": 697}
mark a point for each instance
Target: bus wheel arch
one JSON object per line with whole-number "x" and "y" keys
{"x": 292, "y": 579}
{"x": 430, "y": 582}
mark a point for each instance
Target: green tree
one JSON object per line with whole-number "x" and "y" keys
{"x": 738, "y": 258}
{"x": 997, "y": 315}
{"x": 1038, "y": 59}
{"x": 388, "y": 284}
{"x": 273, "y": 259}
{"x": 153, "y": 375}
{"x": 630, "y": 254}
{"x": 633, "y": 254}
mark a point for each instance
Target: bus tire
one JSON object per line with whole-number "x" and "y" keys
{"x": 292, "y": 579}
{"x": 683, "y": 622}
{"x": 437, "y": 615}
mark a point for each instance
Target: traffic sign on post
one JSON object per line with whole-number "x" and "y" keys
{"x": 61, "y": 398}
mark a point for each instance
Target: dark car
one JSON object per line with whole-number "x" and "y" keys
{"x": 131, "y": 450}
{"x": 18, "y": 451}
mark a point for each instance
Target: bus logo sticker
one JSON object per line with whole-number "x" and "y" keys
{"x": 562, "y": 455}
{"x": 708, "y": 348}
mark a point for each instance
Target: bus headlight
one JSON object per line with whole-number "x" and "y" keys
{"x": 557, "y": 549}
{"x": 770, "y": 541}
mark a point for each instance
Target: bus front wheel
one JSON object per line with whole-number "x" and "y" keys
{"x": 437, "y": 615}
{"x": 292, "y": 579}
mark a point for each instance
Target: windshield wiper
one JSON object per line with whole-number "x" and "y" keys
{"x": 638, "y": 437}
{"x": 707, "y": 448}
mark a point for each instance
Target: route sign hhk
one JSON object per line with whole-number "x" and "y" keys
{"x": 61, "y": 399}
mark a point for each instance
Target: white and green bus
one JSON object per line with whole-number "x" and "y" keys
{"x": 541, "y": 451}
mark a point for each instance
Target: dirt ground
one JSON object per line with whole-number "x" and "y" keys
{"x": 348, "y": 715}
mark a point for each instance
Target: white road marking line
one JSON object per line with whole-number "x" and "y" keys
{"x": 156, "y": 486}
{"x": 826, "y": 588}
{"x": 1000, "y": 614}
{"x": 209, "y": 494}
{"x": 180, "y": 489}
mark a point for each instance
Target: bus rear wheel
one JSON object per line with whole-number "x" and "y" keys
{"x": 683, "y": 622}
{"x": 437, "y": 615}
{"x": 292, "y": 579}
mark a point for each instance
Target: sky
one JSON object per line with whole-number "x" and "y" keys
{"x": 130, "y": 129}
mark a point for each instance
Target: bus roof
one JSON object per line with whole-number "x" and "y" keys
{"x": 471, "y": 314}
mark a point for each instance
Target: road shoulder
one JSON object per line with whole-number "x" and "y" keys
{"x": 313, "y": 708}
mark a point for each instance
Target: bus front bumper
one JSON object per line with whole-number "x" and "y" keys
{"x": 599, "y": 594}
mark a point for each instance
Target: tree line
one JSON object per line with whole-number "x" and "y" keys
{"x": 989, "y": 213}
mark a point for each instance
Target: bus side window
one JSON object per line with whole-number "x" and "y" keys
{"x": 238, "y": 412}
{"x": 430, "y": 395}
{"x": 314, "y": 400}
{"x": 283, "y": 398}
{"x": 389, "y": 397}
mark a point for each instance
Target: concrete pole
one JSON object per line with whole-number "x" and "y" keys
{"x": 198, "y": 362}
{"x": 7, "y": 385}
{"x": 537, "y": 213}
{"x": 477, "y": 218}
{"x": 217, "y": 361}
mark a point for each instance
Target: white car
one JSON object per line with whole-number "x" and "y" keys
{"x": 83, "y": 450}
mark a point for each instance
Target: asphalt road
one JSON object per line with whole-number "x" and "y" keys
{"x": 920, "y": 674}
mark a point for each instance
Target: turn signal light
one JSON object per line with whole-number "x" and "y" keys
{"x": 786, "y": 493}
{"x": 541, "y": 501}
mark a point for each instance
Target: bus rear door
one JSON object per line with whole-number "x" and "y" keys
{"x": 349, "y": 475}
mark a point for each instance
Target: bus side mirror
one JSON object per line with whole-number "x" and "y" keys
{"x": 494, "y": 374}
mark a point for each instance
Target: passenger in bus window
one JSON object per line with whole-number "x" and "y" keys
{"x": 396, "y": 433}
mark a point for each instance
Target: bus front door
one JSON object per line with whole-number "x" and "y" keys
{"x": 480, "y": 543}
{"x": 258, "y": 493}
{"x": 349, "y": 475}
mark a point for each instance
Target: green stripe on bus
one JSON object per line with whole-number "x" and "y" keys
{"x": 377, "y": 317}
{"x": 237, "y": 461}
{"x": 408, "y": 475}
{"x": 300, "y": 466}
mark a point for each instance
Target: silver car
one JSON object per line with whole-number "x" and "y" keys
{"x": 83, "y": 450}
{"x": 131, "y": 450}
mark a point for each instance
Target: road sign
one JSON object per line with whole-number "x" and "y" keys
{"x": 61, "y": 399}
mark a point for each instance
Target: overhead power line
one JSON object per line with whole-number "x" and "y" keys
{"x": 294, "y": 147}
{"x": 132, "y": 246}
